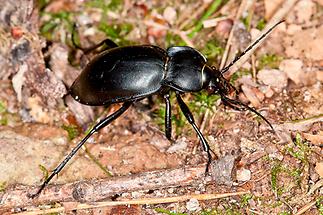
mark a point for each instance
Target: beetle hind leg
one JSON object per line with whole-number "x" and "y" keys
{"x": 168, "y": 116}
{"x": 104, "y": 122}
{"x": 189, "y": 116}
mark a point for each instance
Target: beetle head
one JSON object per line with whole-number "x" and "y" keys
{"x": 215, "y": 83}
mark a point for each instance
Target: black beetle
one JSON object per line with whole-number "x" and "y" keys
{"x": 128, "y": 74}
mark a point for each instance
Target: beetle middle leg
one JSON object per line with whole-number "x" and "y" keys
{"x": 104, "y": 122}
{"x": 189, "y": 116}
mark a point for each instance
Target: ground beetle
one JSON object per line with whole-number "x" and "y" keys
{"x": 131, "y": 73}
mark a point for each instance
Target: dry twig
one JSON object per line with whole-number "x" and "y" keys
{"x": 278, "y": 16}
{"x": 144, "y": 201}
{"x": 96, "y": 190}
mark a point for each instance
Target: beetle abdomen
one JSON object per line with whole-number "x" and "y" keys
{"x": 120, "y": 74}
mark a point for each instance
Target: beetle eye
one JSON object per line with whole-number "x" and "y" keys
{"x": 210, "y": 90}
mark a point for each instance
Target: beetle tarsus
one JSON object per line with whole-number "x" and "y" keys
{"x": 209, "y": 161}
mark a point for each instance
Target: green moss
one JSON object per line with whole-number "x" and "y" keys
{"x": 203, "y": 101}
{"x": 44, "y": 171}
{"x": 284, "y": 213}
{"x": 199, "y": 24}
{"x": 261, "y": 24}
{"x": 41, "y": 4}
{"x": 3, "y": 107}
{"x": 246, "y": 21}
{"x": 301, "y": 150}
{"x": 3, "y": 114}
{"x": 296, "y": 173}
{"x": 319, "y": 204}
{"x": 165, "y": 211}
{"x": 269, "y": 61}
{"x": 3, "y": 186}
{"x": 72, "y": 131}
{"x": 105, "y": 5}
{"x": 275, "y": 170}
{"x": 116, "y": 32}
{"x": 245, "y": 200}
{"x": 212, "y": 49}
{"x": 62, "y": 19}
{"x": 173, "y": 40}
{"x": 239, "y": 74}
{"x": 178, "y": 119}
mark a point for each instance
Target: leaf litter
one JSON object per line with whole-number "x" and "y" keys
{"x": 290, "y": 96}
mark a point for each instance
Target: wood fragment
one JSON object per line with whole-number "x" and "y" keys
{"x": 278, "y": 16}
{"x": 97, "y": 190}
{"x": 227, "y": 47}
{"x": 305, "y": 208}
{"x": 143, "y": 201}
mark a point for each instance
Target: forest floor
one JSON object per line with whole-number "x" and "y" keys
{"x": 260, "y": 171}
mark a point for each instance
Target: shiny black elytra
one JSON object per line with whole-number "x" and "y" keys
{"x": 128, "y": 74}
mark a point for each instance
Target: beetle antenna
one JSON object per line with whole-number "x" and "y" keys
{"x": 232, "y": 103}
{"x": 225, "y": 69}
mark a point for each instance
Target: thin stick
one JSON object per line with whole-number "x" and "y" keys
{"x": 227, "y": 47}
{"x": 253, "y": 46}
{"x": 96, "y": 190}
{"x": 305, "y": 208}
{"x": 278, "y": 16}
{"x": 143, "y": 201}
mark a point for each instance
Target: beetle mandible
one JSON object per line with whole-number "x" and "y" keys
{"x": 131, "y": 73}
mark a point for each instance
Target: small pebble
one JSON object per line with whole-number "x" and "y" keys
{"x": 170, "y": 190}
{"x": 243, "y": 175}
{"x": 273, "y": 77}
{"x": 170, "y": 15}
{"x": 224, "y": 27}
{"x": 193, "y": 205}
{"x": 180, "y": 145}
{"x": 293, "y": 69}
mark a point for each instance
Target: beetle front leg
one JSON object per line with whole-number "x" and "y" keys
{"x": 189, "y": 116}
{"x": 168, "y": 116}
{"x": 104, "y": 122}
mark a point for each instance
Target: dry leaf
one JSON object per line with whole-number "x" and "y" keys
{"x": 315, "y": 139}
{"x": 253, "y": 95}
{"x": 319, "y": 168}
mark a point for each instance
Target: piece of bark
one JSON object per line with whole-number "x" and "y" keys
{"x": 96, "y": 190}
{"x": 21, "y": 56}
